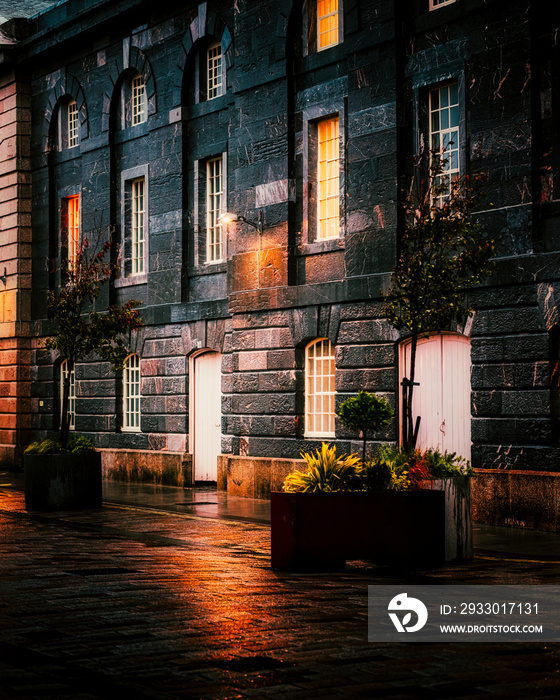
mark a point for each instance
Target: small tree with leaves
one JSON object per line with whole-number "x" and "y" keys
{"x": 365, "y": 413}
{"x": 81, "y": 329}
{"x": 442, "y": 254}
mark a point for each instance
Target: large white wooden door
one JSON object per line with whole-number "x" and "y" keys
{"x": 443, "y": 395}
{"x": 207, "y": 422}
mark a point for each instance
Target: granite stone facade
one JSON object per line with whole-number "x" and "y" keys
{"x": 269, "y": 295}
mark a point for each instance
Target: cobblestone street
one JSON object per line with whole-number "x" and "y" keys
{"x": 134, "y": 602}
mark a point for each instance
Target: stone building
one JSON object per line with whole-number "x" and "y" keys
{"x": 147, "y": 122}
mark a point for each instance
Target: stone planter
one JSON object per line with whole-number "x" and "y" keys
{"x": 458, "y": 515}
{"x": 62, "y": 481}
{"x": 320, "y": 531}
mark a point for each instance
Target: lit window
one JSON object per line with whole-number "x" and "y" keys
{"x": 434, "y": 4}
{"x": 131, "y": 393}
{"x": 71, "y": 227}
{"x": 213, "y": 210}
{"x": 328, "y": 180}
{"x": 327, "y": 23}
{"x": 71, "y": 412}
{"x": 139, "y": 108}
{"x": 137, "y": 229}
{"x": 73, "y": 139}
{"x": 215, "y": 88}
{"x": 319, "y": 389}
{"x": 444, "y": 133}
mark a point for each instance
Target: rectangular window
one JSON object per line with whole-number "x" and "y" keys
{"x": 73, "y": 139}
{"x": 139, "y": 110}
{"x": 328, "y": 179}
{"x": 213, "y": 210}
{"x": 131, "y": 393}
{"x": 138, "y": 212}
{"x": 327, "y": 24}
{"x": 214, "y": 69}
{"x": 444, "y": 134}
{"x": 70, "y": 214}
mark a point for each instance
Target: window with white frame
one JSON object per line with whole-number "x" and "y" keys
{"x": 214, "y": 71}
{"x": 73, "y": 137}
{"x": 139, "y": 101}
{"x": 328, "y": 179}
{"x": 71, "y": 409}
{"x": 444, "y": 134}
{"x": 319, "y": 389}
{"x": 138, "y": 216}
{"x": 71, "y": 228}
{"x": 131, "y": 393}
{"x": 435, "y": 4}
{"x": 214, "y": 208}
{"x": 327, "y": 24}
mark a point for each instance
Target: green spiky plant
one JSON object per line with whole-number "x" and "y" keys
{"x": 326, "y": 471}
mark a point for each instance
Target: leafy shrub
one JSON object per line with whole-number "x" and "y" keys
{"x": 44, "y": 447}
{"x": 393, "y": 468}
{"x": 325, "y": 472}
{"x": 447, "y": 464}
{"x": 76, "y": 444}
{"x": 365, "y": 413}
{"x": 79, "y": 443}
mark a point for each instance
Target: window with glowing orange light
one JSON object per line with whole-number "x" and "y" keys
{"x": 328, "y": 179}
{"x": 327, "y": 24}
{"x": 71, "y": 227}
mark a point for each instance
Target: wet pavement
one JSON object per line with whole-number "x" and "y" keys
{"x": 168, "y": 593}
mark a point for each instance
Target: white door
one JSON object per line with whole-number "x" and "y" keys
{"x": 443, "y": 395}
{"x": 207, "y": 415}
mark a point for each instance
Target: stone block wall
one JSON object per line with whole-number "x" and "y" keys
{"x": 271, "y": 294}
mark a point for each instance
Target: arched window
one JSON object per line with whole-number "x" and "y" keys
{"x": 71, "y": 395}
{"x": 319, "y": 389}
{"x": 131, "y": 393}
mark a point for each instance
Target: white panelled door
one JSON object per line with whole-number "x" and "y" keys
{"x": 207, "y": 415}
{"x": 443, "y": 395}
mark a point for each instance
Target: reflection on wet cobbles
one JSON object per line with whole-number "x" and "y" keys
{"x": 128, "y": 602}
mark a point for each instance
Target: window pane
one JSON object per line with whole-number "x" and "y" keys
{"x": 73, "y": 139}
{"x": 214, "y": 70}
{"x": 320, "y": 385}
{"x": 444, "y": 134}
{"x": 328, "y": 178}
{"x": 138, "y": 226}
{"x": 139, "y": 103}
{"x": 213, "y": 210}
{"x": 327, "y": 24}
{"x": 131, "y": 393}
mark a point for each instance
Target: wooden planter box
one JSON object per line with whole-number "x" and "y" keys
{"x": 320, "y": 531}
{"x": 63, "y": 481}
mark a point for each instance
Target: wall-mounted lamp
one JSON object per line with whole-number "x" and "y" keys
{"x": 4, "y": 277}
{"x": 229, "y": 218}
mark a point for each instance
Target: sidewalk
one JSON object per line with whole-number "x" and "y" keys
{"x": 168, "y": 593}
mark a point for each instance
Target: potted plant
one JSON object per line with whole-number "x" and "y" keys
{"x": 328, "y": 515}
{"x": 61, "y": 477}
{"x": 66, "y": 473}
{"x": 401, "y": 506}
